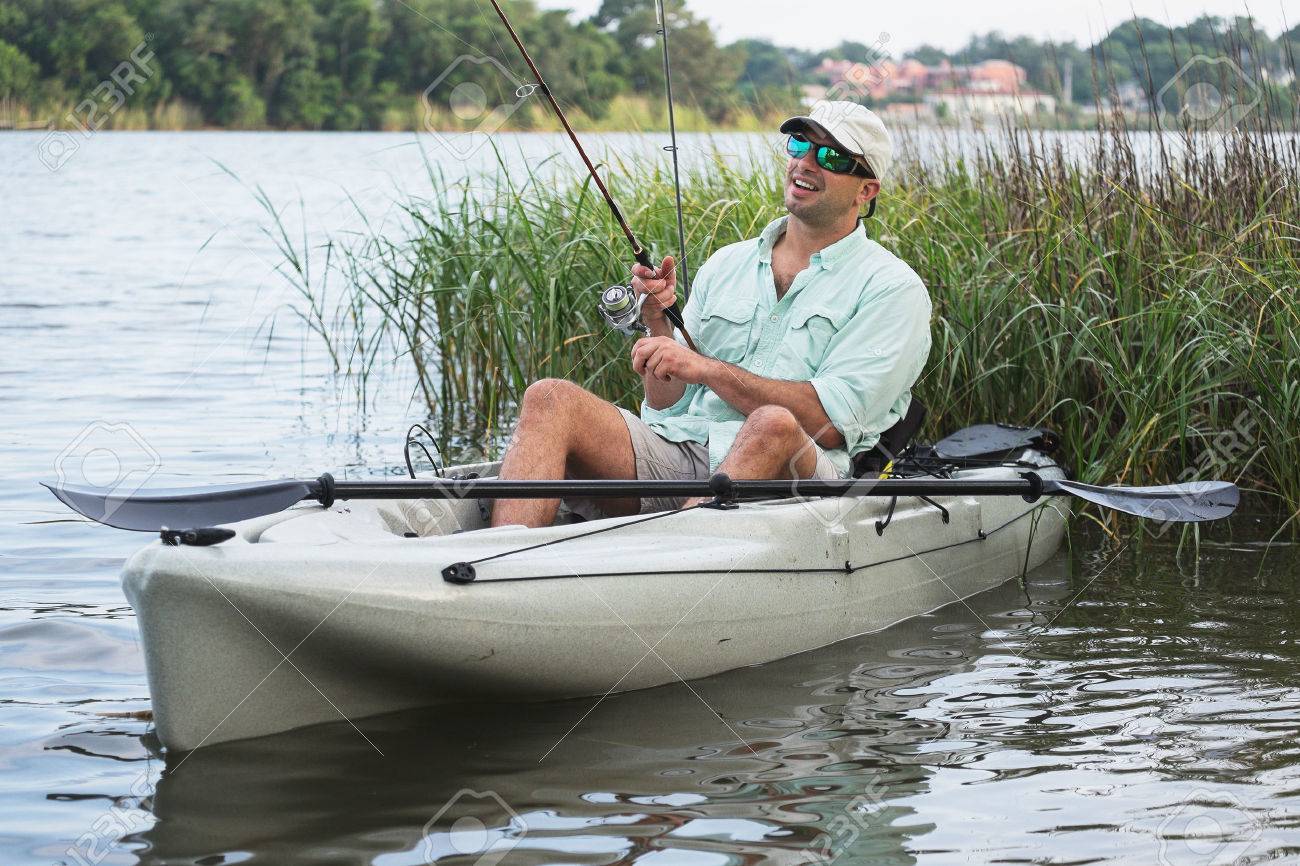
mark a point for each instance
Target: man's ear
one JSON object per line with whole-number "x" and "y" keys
{"x": 870, "y": 189}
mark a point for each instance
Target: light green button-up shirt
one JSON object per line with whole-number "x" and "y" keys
{"x": 855, "y": 323}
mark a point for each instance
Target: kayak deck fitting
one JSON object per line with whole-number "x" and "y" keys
{"x": 319, "y": 614}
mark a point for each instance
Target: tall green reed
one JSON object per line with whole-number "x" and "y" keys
{"x": 1138, "y": 293}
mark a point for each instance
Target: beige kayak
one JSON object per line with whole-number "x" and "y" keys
{"x": 317, "y": 614}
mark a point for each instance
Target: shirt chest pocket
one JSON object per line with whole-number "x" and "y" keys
{"x": 808, "y": 340}
{"x": 725, "y": 329}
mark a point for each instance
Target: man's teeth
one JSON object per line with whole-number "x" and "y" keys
{"x": 803, "y": 184}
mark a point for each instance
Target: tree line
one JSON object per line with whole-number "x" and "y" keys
{"x": 363, "y": 64}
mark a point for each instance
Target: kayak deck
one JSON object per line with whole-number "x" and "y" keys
{"x": 317, "y": 614}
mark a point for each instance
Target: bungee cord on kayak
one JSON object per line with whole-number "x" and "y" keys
{"x": 929, "y": 460}
{"x": 848, "y": 567}
{"x": 465, "y": 572}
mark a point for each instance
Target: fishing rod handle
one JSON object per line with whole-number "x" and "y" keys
{"x": 675, "y": 316}
{"x": 674, "y": 313}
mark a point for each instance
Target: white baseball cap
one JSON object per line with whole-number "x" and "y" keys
{"x": 853, "y": 128}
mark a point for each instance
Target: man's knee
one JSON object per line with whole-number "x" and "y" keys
{"x": 772, "y": 424}
{"x": 547, "y": 397}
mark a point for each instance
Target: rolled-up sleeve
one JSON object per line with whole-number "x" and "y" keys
{"x": 864, "y": 381}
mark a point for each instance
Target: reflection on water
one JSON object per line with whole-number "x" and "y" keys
{"x": 1015, "y": 726}
{"x": 752, "y": 764}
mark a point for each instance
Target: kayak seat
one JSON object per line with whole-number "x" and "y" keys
{"x": 893, "y": 442}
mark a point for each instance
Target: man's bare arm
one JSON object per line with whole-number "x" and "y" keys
{"x": 663, "y": 361}
{"x": 745, "y": 392}
{"x": 660, "y": 394}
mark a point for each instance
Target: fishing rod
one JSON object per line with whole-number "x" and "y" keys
{"x": 673, "y": 312}
{"x": 672, "y": 148}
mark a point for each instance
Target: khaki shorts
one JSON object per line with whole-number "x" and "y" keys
{"x": 660, "y": 459}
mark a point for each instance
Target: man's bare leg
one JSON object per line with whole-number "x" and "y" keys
{"x": 564, "y": 431}
{"x": 770, "y": 445}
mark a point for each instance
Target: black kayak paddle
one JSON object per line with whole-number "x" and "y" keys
{"x": 152, "y": 510}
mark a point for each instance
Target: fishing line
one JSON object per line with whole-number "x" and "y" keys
{"x": 482, "y": 14}
{"x": 655, "y": 516}
{"x": 450, "y": 33}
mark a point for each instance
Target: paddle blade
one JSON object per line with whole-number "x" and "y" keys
{"x": 151, "y": 510}
{"x": 984, "y": 440}
{"x": 1171, "y": 503}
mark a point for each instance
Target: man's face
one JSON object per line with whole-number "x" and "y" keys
{"x": 831, "y": 195}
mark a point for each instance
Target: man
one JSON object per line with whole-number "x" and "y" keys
{"x": 810, "y": 338}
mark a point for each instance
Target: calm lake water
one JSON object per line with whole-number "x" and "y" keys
{"x": 1128, "y": 703}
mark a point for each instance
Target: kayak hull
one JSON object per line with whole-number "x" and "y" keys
{"x": 318, "y": 615}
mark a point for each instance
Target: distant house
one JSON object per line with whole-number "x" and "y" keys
{"x": 1281, "y": 77}
{"x": 1129, "y": 96}
{"x": 918, "y": 113}
{"x": 811, "y": 94}
{"x": 834, "y": 70}
{"x": 970, "y": 102}
{"x": 985, "y": 89}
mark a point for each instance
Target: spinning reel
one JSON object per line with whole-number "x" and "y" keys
{"x": 620, "y": 307}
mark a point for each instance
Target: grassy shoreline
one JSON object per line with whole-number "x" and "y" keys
{"x": 623, "y": 114}
{"x": 1144, "y": 307}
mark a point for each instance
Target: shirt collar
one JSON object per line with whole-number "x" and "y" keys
{"x": 826, "y": 258}
{"x": 770, "y": 235}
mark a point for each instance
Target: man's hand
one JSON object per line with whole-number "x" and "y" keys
{"x": 666, "y": 360}
{"x": 660, "y": 285}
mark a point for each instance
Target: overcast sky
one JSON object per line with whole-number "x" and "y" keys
{"x": 948, "y": 23}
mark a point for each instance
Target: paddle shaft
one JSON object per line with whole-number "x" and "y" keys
{"x": 517, "y": 489}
